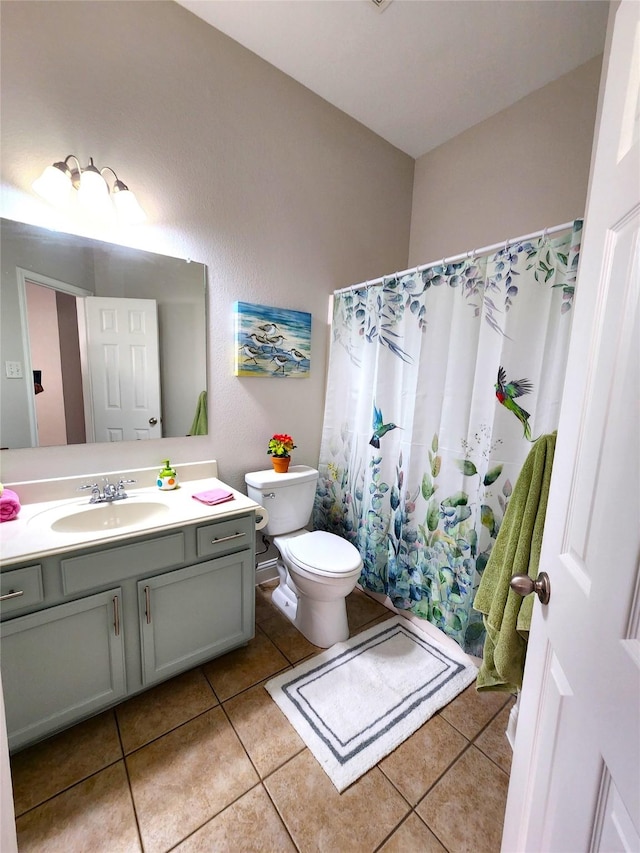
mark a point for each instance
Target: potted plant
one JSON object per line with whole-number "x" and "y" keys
{"x": 280, "y": 446}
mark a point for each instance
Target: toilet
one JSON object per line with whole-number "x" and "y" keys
{"x": 317, "y": 569}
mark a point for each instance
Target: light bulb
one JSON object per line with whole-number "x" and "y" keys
{"x": 54, "y": 185}
{"x": 127, "y": 205}
{"x": 93, "y": 193}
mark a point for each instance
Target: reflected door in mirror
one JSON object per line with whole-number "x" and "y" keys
{"x": 123, "y": 368}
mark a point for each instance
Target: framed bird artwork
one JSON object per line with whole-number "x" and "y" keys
{"x": 272, "y": 341}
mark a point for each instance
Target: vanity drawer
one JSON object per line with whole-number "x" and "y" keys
{"x": 224, "y": 537}
{"x": 20, "y": 588}
{"x": 126, "y": 561}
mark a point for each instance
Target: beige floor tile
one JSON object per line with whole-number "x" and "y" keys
{"x": 283, "y": 634}
{"x": 157, "y": 711}
{"x": 265, "y": 732}
{"x": 242, "y": 668}
{"x": 250, "y": 825}
{"x": 493, "y": 740}
{"x": 96, "y": 814}
{"x": 378, "y": 621}
{"x": 465, "y": 809}
{"x": 361, "y": 609}
{"x": 471, "y": 711}
{"x": 186, "y": 777}
{"x": 413, "y": 837}
{"x": 417, "y": 763}
{"x": 267, "y": 588}
{"x": 320, "y": 819}
{"x": 47, "y": 768}
{"x": 264, "y": 608}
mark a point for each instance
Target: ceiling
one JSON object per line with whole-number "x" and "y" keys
{"x": 419, "y": 72}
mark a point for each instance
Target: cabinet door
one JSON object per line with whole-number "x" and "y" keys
{"x": 61, "y": 664}
{"x": 190, "y": 615}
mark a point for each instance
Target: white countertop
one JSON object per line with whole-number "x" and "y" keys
{"x": 31, "y": 537}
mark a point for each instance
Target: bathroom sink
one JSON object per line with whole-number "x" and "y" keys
{"x": 96, "y": 518}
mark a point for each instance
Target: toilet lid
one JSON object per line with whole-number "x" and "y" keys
{"x": 324, "y": 553}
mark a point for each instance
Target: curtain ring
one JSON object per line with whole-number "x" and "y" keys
{"x": 417, "y": 272}
{"x": 544, "y": 234}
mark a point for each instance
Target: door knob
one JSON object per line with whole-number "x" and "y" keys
{"x": 153, "y": 421}
{"x": 523, "y": 585}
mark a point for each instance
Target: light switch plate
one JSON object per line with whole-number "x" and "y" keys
{"x": 13, "y": 369}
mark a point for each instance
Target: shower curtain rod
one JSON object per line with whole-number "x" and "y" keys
{"x": 483, "y": 251}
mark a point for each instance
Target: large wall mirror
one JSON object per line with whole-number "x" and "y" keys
{"x": 98, "y": 342}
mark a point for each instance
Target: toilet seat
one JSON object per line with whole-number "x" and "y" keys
{"x": 324, "y": 554}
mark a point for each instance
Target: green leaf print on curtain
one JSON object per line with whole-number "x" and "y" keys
{"x": 438, "y": 382}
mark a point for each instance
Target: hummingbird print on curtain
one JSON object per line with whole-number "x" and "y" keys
{"x": 506, "y": 392}
{"x": 380, "y": 428}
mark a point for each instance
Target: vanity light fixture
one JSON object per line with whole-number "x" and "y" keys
{"x": 57, "y": 182}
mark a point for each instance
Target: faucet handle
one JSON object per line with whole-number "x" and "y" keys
{"x": 121, "y": 484}
{"x": 95, "y": 491}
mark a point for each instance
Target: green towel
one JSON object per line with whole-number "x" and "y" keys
{"x": 507, "y": 616}
{"x": 200, "y": 425}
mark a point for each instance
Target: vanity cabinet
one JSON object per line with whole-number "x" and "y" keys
{"x": 175, "y": 615}
{"x": 97, "y": 625}
{"x": 62, "y": 663}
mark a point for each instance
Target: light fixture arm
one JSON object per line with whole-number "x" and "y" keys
{"x": 63, "y": 166}
{"x": 76, "y": 174}
{"x": 119, "y": 185}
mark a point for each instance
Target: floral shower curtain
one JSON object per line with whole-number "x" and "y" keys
{"x": 438, "y": 383}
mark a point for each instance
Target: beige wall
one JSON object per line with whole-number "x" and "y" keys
{"x": 282, "y": 196}
{"x": 524, "y": 169}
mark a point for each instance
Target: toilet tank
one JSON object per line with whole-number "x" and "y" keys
{"x": 288, "y": 498}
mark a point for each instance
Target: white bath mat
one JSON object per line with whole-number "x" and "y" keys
{"x": 356, "y": 702}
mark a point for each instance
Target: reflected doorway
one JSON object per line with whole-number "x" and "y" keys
{"x": 55, "y": 364}
{"x": 92, "y": 364}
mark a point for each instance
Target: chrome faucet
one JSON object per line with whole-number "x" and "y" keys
{"x": 110, "y": 492}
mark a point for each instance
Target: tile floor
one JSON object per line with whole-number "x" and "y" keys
{"x": 207, "y": 762}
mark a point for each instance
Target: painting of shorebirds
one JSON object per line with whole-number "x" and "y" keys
{"x": 272, "y": 341}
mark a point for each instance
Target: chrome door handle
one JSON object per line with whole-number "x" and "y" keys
{"x": 153, "y": 421}
{"x": 523, "y": 585}
{"x": 147, "y": 604}
{"x": 217, "y": 540}
{"x": 116, "y": 616}
{"x": 11, "y": 594}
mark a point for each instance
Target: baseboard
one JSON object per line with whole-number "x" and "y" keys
{"x": 267, "y": 570}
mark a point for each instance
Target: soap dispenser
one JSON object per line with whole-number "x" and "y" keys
{"x": 167, "y": 477}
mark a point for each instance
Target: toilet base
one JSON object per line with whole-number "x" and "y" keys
{"x": 323, "y": 623}
{"x": 285, "y": 600}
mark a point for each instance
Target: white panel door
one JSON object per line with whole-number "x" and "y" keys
{"x": 575, "y": 780}
{"x": 124, "y": 368}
